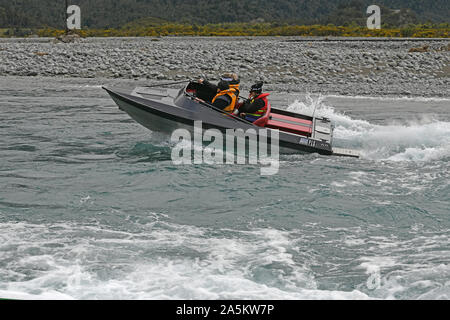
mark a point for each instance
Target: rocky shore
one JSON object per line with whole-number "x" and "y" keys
{"x": 345, "y": 67}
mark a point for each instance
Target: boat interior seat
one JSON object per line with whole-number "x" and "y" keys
{"x": 290, "y": 124}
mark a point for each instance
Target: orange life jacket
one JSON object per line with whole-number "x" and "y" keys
{"x": 232, "y": 93}
{"x": 235, "y": 86}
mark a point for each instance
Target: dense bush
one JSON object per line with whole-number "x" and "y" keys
{"x": 258, "y": 29}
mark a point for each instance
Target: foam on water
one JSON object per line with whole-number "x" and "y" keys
{"x": 413, "y": 269}
{"x": 161, "y": 261}
{"x": 404, "y": 98}
{"x": 421, "y": 140}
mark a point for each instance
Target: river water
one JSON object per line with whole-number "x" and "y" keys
{"x": 92, "y": 207}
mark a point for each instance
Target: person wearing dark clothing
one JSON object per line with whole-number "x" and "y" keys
{"x": 223, "y": 97}
{"x": 252, "y": 106}
{"x": 226, "y": 92}
{"x": 209, "y": 86}
{"x": 256, "y": 105}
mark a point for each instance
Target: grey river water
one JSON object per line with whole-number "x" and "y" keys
{"x": 92, "y": 207}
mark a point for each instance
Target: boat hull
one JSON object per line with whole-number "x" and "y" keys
{"x": 151, "y": 121}
{"x": 166, "y": 115}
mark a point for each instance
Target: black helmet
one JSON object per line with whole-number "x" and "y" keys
{"x": 257, "y": 87}
{"x": 223, "y": 85}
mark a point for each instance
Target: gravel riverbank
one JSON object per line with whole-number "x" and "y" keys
{"x": 332, "y": 67}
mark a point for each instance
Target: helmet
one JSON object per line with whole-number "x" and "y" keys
{"x": 257, "y": 87}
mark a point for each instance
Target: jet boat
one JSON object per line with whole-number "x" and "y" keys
{"x": 165, "y": 110}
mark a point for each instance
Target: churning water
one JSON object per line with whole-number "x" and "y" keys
{"x": 91, "y": 207}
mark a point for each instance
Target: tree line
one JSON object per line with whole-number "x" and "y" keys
{"x": 115, "y": 14}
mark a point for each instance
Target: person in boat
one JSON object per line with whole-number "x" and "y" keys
{"x": 256, "y": 105}
{"x": 226, "y": 92}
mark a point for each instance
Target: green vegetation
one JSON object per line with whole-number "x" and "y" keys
{"x": 106, "y": 14}
{"x": 103, "y": 18}
{"x": 258, "y": 29}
